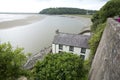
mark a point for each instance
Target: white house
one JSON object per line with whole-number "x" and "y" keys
{"x": 73, "y": 43}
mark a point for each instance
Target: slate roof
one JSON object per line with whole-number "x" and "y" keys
{"x": 75, "y": 40}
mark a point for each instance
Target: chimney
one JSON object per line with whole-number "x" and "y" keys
{"x": 57, "y": 31}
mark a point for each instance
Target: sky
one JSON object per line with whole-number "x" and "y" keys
{"x": 35, "y": 6}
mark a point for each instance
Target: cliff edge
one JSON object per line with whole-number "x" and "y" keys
{"x": 106, "y": 64}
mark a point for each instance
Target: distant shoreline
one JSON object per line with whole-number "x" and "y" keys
{"x": 21, "y": 22}
{"x": 16, "y": 13}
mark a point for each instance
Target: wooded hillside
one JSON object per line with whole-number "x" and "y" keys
{"x": 66, "y": 11}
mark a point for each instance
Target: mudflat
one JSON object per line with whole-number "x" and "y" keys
{"x": 21, "y": 22}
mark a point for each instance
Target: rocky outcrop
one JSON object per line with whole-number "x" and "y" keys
{"x": 32, "y": 60}
{"x": 106, "y": 64}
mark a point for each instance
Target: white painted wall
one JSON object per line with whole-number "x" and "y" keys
{"x": 55, "y": 49}
{"x": 87, "y": 54}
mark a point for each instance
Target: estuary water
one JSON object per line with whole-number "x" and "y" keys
{"x": 37, "y": 35}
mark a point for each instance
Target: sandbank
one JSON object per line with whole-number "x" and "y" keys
{"x": 21, "y": 22}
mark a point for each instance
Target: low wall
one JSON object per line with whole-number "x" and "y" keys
{"x": 40, "y": 55}
{"x": 106, "y": 64}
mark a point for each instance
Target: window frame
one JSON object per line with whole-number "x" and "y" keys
{"x": 71, "y": 48}
{"x": 60, "y": 47}
{"x": 83, "y": 50}
{"x": 82, "y": 57}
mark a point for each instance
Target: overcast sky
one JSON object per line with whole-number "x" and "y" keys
{"x": 36, "y": 5}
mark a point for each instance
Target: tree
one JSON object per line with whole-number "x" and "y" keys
{"x": 65, "y": 11}
{"x": 62, "y": 66}
{"x": 11, "y": 62}
{"x": 110, "y": 9}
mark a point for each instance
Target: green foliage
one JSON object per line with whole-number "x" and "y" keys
{"x": 62, "y": 66}
{"x": 87, "y": 68}
{"x": 95, "y": 39}
{"x": 11, "y": 62}
{"x": 66, "y": 11}
{"x": 110, "y": 9}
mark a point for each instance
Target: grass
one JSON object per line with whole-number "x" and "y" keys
{"x": 78, "y": 15}
{"x": 86, "y": 16}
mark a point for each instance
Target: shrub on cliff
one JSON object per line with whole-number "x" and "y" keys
{"x": 11, "y": 62}
{"x": 95, "y": 39}
{"x": 110, "y": 9}
{"x": 62, "y": 66}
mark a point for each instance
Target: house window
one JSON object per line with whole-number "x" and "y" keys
{"x": 71, "y": 48}
{"x": 82, "y": 57}
{"x": 83, "y": 50}
{"x": 60, "y": 47}
{"x": 60, "y": 51}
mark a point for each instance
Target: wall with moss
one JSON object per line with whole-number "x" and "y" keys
{"x": 106, "y": 63}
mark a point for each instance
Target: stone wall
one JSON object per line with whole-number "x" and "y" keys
{"x": 106, "y": 64}
{"x": 40, "y": 55}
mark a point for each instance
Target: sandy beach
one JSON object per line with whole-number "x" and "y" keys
{"x": 20, "y": 22}
{"x": 31, "y": 19}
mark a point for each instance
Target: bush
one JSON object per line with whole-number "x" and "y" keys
{"x": 95, "y": 39}
{"x": 11, "y": 62}
{"x": 62, "y": 66}
{"x": 110, "y": 9}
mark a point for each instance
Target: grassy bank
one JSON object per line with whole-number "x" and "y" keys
{"x": 78, "y": 15}
{"x": 85, "y": 16}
